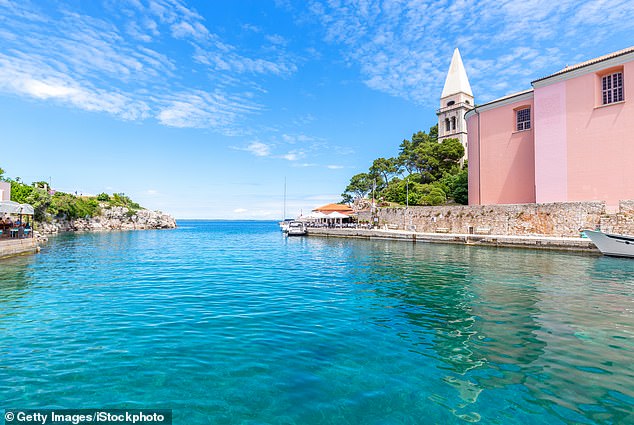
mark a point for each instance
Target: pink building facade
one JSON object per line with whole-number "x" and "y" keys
{"x": 570, "y": 138}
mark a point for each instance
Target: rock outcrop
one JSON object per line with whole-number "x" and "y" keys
{"x": 111, "y": 218}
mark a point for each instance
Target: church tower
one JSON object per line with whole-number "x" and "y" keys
{"x": 455, "y": 101}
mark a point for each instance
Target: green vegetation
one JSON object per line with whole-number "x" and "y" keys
{"x": 48, "y": 203}
{"x": 424, "y": 173}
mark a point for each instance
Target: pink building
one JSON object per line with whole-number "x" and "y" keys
{"x": 570, "y": 138}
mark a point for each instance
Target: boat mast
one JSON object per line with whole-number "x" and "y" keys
{"x": 284, "y": 218}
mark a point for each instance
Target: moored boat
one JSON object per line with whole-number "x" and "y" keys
{"x": 612, "y": 244}
{"x": 296, "y": 228}
{"x": 284, "y": 224}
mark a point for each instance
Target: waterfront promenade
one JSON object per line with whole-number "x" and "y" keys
{"x": 535, "y": 242}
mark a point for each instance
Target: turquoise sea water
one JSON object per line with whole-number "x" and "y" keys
{"x": 231, "y": 323}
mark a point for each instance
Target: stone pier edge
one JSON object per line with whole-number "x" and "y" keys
{"x": 533, "y": 242}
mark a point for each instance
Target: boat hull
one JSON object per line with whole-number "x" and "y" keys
{"x": 296, "y": 228}
{"x": 612, "y": 244}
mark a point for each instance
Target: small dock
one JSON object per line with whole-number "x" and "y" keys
{"x": 11, "y": 247}
{"x": 511, "y": 241}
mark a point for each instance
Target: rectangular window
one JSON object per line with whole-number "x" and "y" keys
{"x": 612, "y": 88}
{"x": 523, "y": 119}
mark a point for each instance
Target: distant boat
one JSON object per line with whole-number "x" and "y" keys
{"x": 612, "y": 244}
{"x": 296, "y": 228}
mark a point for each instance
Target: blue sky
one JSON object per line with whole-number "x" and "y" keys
{"x": 202, "y": 109}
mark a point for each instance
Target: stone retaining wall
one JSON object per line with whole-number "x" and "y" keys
{"x": 555, "y": 219}
{"x": 10, "y": 247}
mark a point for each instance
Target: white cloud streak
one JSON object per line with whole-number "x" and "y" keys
{"x": 109, "y": 61}
{"x": 403, "y": 47}
{"x": 258, "y": 149}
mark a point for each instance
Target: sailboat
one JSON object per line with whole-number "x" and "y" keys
{"x": 285, "y": 221}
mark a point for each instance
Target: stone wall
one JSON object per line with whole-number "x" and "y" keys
{"x": 10, "y": 247}
{"x": 114, "y": 218}
{"x": 556, "y": 219}
{"x": 620, "y": 222}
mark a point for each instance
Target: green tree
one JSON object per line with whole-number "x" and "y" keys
{"x": 433, "y": 195}
{"x": 63, "y": 205}
{"x": 395, "y": 191}
{"x": 20, "y": 192}
{"x": 413, "y": 154}
{"x": 449, "y": 153}
{"x": 433, "y": 169}
{"x": 121, "y": 200}
{"x": 360, "y": 185}
{"x": 40, "y": 199}
{"x": 460, "y": 191}
{"x": 385, "y": 168}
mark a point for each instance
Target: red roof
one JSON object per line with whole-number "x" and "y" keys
{"x": 342, "y": 208}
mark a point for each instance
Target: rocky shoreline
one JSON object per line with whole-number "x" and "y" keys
{"x": 113, "y": 218}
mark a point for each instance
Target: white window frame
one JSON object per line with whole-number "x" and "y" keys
{"x": 612, "y": 88}
{"x": 522, "y": 122}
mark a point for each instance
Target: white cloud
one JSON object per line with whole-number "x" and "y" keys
{"x": 259, "y": 149}
{"x": 186, "y": 29}
{"x": 403, "y": 47}
{"x": 240, "y": 210}
{"x": 276, "y": 39}
{"x": 334, "y": 167}
{"x": 28, "y": 78}
{"x": 203, "y": 110}
{"x": 100, "y": 60}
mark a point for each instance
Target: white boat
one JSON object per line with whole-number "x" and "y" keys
{"x": 284, "y": 224}
{"x": 296, "y": 228}
{"x": 612, "y": 244}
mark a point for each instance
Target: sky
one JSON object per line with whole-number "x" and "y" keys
{"x": 216, "y": 109}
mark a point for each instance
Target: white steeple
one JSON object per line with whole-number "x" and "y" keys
{"x": 456, "y": 100}
{"x": 456, "y": 81}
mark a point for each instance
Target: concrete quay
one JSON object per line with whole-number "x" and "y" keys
{"x": 11, "y": 247}
{"x": 534, "y": 242}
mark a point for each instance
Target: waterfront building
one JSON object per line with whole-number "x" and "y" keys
{"x": 569, "y": 138}
{"x": 5, "y": 191}
{"x": 456, "y": 99}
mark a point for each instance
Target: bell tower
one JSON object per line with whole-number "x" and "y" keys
{"x": 456, "y": 99}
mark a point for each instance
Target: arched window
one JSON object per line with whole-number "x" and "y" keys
{"x": 467, "y": 102}
{"x": 453, "y": 123}
{"x": 447, "y": 128}
{"x": 451, "y": 103}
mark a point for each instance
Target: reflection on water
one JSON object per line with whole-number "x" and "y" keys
{"x": 15, "y": 278}
{"x": 235, "y": 322}
{"x": 553, "y": 329}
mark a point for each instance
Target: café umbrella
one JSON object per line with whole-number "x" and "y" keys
{"x": 12, "y": 207}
